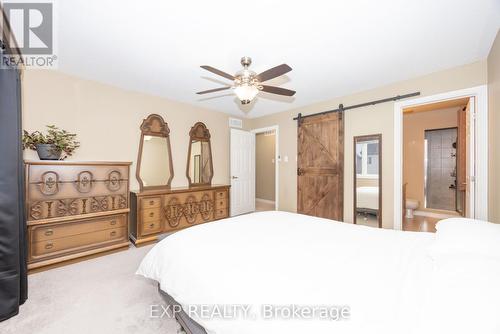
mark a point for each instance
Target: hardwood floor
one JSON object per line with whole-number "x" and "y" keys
{"x": 420, "y": 224}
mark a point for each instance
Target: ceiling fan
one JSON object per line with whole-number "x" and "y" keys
{"x": 247, "y": 83}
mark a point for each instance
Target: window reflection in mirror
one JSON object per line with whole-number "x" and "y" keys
{"x": 367, "y": 180}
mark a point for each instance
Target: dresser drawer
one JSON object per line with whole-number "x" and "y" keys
{"x": 62, "y": 230}
{"x": 220, "y": 194}
{"x": 78, "y": 242}
{"x": 150, "y": 202}
{"x": 221, "y": 213}
{"x": 150, "y": 215}
{"x": 220, "y": 203}
{"x": 151, "y": 227}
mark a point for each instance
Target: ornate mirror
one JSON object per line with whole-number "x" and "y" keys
{"x": 199, "y": 170}
{"x": 368, "y": 180}
{"x": 154, "y": 162}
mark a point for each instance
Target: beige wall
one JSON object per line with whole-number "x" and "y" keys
{"x": 494, "y": 130}
{"x": 265, "y": 169}
{"x": 414, "y": 126}
{"x": 364, "y": 121}
{"x": 107, "y": 121}
{"x": 366, "y": 182}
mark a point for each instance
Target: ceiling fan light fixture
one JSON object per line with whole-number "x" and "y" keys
{"x": 246, "y": 93}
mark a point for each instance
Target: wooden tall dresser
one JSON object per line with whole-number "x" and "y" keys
{"x": 160, "y": 211}
{"x": 75, "y": 209}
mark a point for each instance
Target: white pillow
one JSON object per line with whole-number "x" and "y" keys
{"x": 455, "y": 236}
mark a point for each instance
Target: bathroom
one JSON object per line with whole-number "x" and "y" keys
{"x": 434, "y": 168}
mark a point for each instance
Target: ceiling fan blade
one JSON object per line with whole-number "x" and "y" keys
{"x": 274, "y": 72}
{"x": 218, "y": 72}
{"x": 213, "y": 90}
{"x": 278, "y": 90}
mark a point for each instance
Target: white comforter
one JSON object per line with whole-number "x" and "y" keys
{"x": 282, "y": 258}
{"x": 367, "y": 198}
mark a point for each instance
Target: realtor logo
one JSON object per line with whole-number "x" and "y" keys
{"x": 32, "y": 25}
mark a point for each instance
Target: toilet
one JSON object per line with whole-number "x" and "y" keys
{"x": 411, "y": 204}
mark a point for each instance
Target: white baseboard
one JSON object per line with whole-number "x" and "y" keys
{"x": 433, "y": 214}
{"x": 264, "y": 201}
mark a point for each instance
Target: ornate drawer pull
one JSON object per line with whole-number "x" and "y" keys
{"x": 151, "y": 202}
{"x": 113, "y": 222}
{"x": 49, "y": 246}
{"x": 152, "y": 214}
{"x": 113, "y": 233}
{"x": 49, "y": 232}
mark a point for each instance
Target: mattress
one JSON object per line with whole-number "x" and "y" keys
{"x": 367, "y": 198}
{"x": 279, "y": 259}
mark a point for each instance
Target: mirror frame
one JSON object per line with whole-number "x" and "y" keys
{"x": 357, "y": 139}
{"x": 154, "y": 125}
{"x": 199, "y": 132}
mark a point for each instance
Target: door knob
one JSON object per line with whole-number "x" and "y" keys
{"x": 234, "y": 177}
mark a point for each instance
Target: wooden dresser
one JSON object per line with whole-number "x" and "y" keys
{"x": 75, "y": 209}
{"x": 155, "y": 212}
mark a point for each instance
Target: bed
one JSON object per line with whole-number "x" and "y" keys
{"x": 367, "y": 199}
{"x": 390, "y": 281}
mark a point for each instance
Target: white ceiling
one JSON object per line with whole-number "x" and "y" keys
{"x": 334, "y": 47}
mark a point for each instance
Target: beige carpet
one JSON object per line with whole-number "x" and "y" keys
{"x": 264, "y": 206}
{"x": 101, "y": 295}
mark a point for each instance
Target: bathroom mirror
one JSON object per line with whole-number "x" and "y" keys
{"x": 368, "y": 180}
{"x": 199, "y": 170}
{"x": 154, "y": 162}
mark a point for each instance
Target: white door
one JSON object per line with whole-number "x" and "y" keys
{"x": 242, "y": 172}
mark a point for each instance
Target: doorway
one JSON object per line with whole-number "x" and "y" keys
{"x": 434, "y": 149}
{"x": 473, "y": 183}
{"x": 243, "y": 167}
{"x": 265, "y": 171}
{"x": 440, "y": 170}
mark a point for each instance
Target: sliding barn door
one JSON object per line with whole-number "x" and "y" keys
{"x": 320, "y": 164}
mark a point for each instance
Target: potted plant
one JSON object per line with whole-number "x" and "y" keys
{"x": 50, "y": 146}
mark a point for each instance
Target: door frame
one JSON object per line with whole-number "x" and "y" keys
{"x": 478, "y": 154}
{"x": 277, "y": 160}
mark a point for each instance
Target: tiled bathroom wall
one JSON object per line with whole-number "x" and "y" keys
{"x": 440, "y": 192}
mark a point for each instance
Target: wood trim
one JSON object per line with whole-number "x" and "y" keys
{"x": 154, "y": 125}
{"x": 378, "y": 137}
{"x": 77, "y": 217}
{"x": 63, "y": 260}
{"x": 179, "y": 190}
{"x": 77, "y": 163}
{"x": 199, "y": 132}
